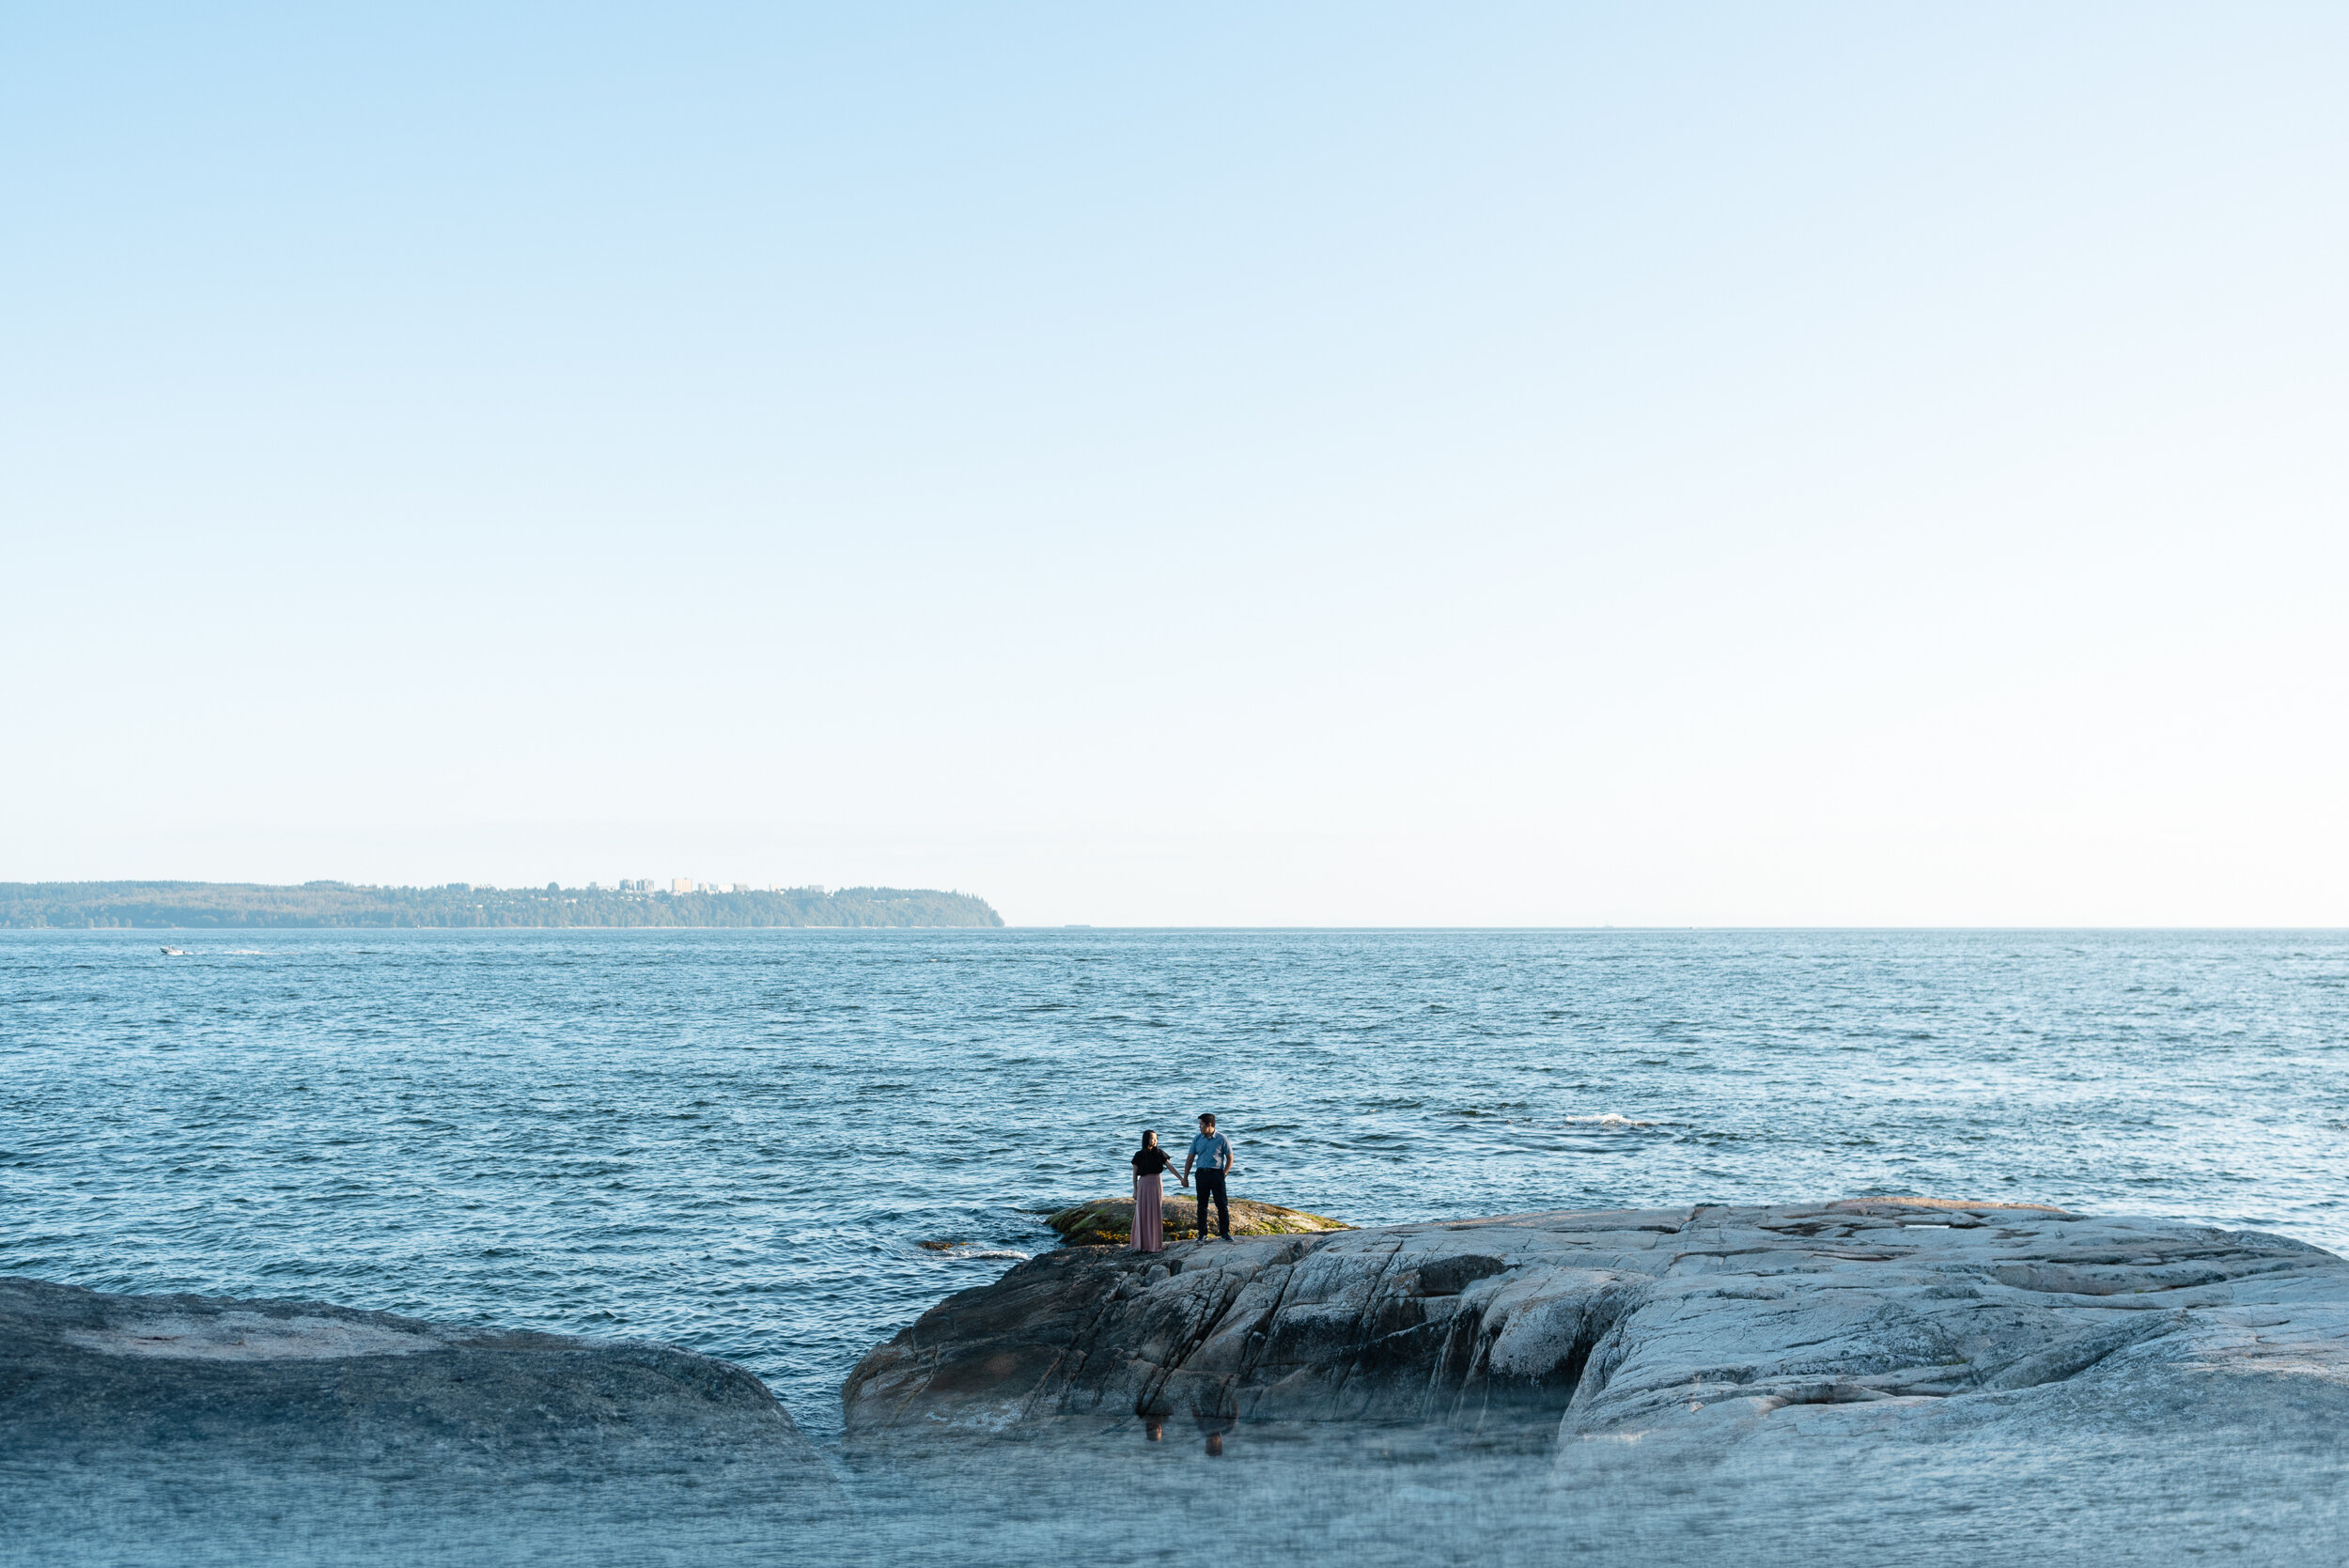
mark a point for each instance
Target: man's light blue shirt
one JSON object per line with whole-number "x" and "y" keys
{"x": 1211, "y": 1151}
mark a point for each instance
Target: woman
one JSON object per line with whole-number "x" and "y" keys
{"x": 1150, "y": 1162}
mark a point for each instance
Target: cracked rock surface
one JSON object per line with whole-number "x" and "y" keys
{"x": 1720, "y": 1320}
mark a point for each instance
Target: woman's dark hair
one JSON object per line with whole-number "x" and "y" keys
{"x": 1149, "y": 1135}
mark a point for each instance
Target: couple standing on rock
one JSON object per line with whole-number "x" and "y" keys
{"x": 1211, "y": 1151}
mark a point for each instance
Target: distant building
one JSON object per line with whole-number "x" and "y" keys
{"x": 681, "y": 884}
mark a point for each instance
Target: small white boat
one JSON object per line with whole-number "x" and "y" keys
{"x": 178, "y": 953}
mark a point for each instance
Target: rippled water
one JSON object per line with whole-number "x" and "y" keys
{"x": 736, "y": 1140}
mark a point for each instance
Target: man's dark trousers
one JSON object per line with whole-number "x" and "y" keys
{"x": 1211, "y": 1186}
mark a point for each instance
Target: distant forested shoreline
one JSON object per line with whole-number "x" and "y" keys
{"x": 187, "y": 906}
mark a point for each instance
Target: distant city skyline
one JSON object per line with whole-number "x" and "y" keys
{"x": 1341, "y": 465}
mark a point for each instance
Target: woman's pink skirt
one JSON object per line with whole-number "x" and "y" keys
{"x": 1147, "y": 1235}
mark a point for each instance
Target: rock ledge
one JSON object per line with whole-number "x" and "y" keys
{"x": 1110, "y": 1221}
{"x": 89, "y": 1373}
{"x": 1622, "y": 1323}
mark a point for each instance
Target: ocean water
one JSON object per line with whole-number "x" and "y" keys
{"x": 740, "y": 1141}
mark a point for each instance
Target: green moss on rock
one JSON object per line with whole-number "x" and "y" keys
{"x": 1110, "y": 1221}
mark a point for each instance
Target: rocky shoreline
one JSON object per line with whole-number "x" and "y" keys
{"x": 1659, "y": 1386}
{"x": 1577, "y": 1323}
{"x": 1713, "y": 1319}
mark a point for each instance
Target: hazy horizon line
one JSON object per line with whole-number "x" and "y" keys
{"x": 1015, "y": 926}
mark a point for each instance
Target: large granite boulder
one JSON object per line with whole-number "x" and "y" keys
{"x": 1716, "y": 1320}
{"x": 189, "y": 1429}
{"x": 193, "y": 1432}
{"x": 85, "y": 1368}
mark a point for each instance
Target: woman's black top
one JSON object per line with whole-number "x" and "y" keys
{"x": 1149, "y": 1162}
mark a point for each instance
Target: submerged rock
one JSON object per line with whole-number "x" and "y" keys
{"x": 1720, "y": 1320}
{"x": 87, "y": 1374}
{"x": 1110, "y": 1221}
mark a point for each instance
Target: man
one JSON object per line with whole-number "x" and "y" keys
{"x": 1212, "y": 1152}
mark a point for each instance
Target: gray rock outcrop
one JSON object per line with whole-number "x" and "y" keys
{"x": 87, "y": 1373}
{"x": 1714, "y": 1320}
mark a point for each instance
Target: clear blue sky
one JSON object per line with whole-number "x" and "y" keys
{"x": 1479, "y": 465}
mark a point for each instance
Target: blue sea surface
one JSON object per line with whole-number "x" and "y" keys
{"x": 739, "y": 1140}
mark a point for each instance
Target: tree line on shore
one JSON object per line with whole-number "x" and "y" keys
{"x": 165, "y": 906}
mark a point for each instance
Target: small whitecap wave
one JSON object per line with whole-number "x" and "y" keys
{"x": 1612, "y": 1119}
{"x": 955, "y": 1246}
